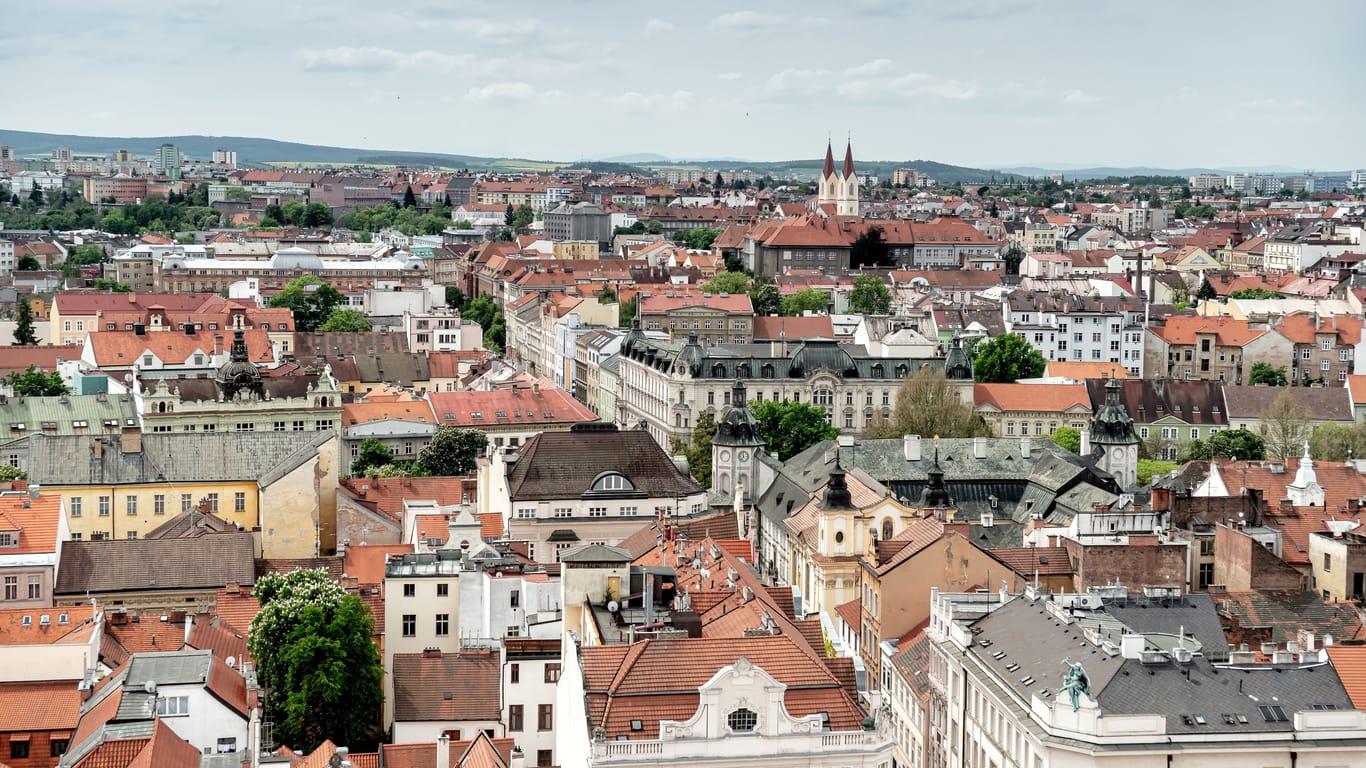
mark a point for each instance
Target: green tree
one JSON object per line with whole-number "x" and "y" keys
{"x": 1255, "y": 293}
{"x": 626, "y": 312}
{"x": 927, "y": 404}
{"x": 790, "y": 427}
{"x": 495, "y": 335}
{"x": 1285, "y": 426}
{"x": 409, "y": 199}
{"x": 870, "y": 249}
{"x": 1336, "y": 442}
{"x": 310, "y": 299}
{"x": 372, "y": 453}
{"x": 1148, "y": 468}
{"x": 35, "y": 196}
{"x": 523, "y": 217}
{"x": 364, "y": 236}
{"x": 870, "y": 296}
{"x": 1007, "y": 358}
{"x": 28, "y": 263}
{"x": 455, "y": 298}
{"x": 1012, "y": 256}
{"x": 23, "y": 325}
{"x": 294, "y": 212}
{"x": 766, "y": 299}
{"x": 1228, "y": 443}
{"x": 698, "y": 450}
{"x": 1264, "y": 373}
{"x": 318, "y": 215}
{"x": 452, "y": 451}
{"x": 32, "y": 382}
{"x": 699, "y": 239}
{"x": 314, "y": 649}
{"x": 509, "y": 216}
{"x": 345, "y": 319}
{"x": 1206, "y": 291}
{"x": 1067, "y": 437}
{"x": 805, "y": 300}
{"x": 112, "y": 285}
{"x": 728, "y": 282}
{"x": 275, "y": 213}
{"x": 12, "y": 473}
{"x": 481, "y": 310}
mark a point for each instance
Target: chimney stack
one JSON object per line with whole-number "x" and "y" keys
{"x": 910, "y": 446}
{"x": 979, "y": 447}
{"x": 1025, "y": 447}
{"x": 443, "y": 751}
{"x": 1085, "y": 441}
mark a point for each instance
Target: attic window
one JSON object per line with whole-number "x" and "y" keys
{"x": 612, "y": 481}
{"x": 111, "y": 422}
{"x": 79, "y": 424}
{"x": 9, "y": 539}
{"x": 637, "y": 725}
{"x": 50, "y": 425}
{"x": 476, "y": 415}
{"x": 501, "y": 414}
{"x": 742, "y": 720}
{"x": 449, "y": 416}
{"x": 17, "y": 426}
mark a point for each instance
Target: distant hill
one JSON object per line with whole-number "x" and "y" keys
{"x": 1103, "y": 172}
{"x": 257, "y": 151}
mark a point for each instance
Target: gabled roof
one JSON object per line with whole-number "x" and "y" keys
{"x": 39, "y": 706}
{"x": 500, "y": 408}
{"x": 1324, "y": 403}
{"x": 14, "y": 630}
{"x": 792, "y": 328}
{"x": 121, "y": 349}
{"x": 1055, "y": 398}
{"x": 447, "y": 687}
{"x": 36, "y": 521}
{"x": 1228, "y": 331}
{"x": 424, "y": 755}
{"x": 119, "y": 565}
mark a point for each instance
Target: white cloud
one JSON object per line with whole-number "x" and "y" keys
{"x": 346, "y": 59}
{"x": 797, "y": 82}
{"x": 1078, "y": 97}
{"x": 499, "y": 32}
{"x": 744, "y": 21}
{"x": 909, "y": 84}
{"x": 1186, "y": 92}
{"x": 631, "y": 101}
{"x": 866, "y": 69}
{"x": 658, "y": 26}
{"x": 728, "y": 77}
{"x": 502, "y": 92}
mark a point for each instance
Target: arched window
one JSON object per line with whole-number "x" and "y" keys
{"x": 612, "y": 481}
{"x": 886, "y": 529}
{"x": 768, "y": 370}
{"x": 742, "y": 720}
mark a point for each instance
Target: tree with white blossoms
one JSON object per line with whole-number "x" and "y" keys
{"x": 312, "y": 642}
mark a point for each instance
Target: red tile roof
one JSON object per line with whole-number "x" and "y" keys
{"x": 119, "y": 349}
{"x": 793, "y": 328}
{"x": 502, "y": 408}
{"x": 1084, "y": 371}
{"x": 386, "y": 494}
{"x": 13, "y": 630}
{"x": 380, "y": 408}
{"x": 446, "y": 686}
{"x": 1229, "y": 331}
{"x": 237, "y": 609}
{"x": 1349, "y": 661}
{"x": 1052, "y": 398}
{"x": 18, "y": 358}
{"x": 366, "y": 561}
{"x": 675, "y": 300}
{"x": 852, "y": 614}
{"x": 40, "y": 706}
{"x": 424, "y": 755}
{"x": 35, "y": 519}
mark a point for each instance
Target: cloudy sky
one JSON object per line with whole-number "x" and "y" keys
{"x": 989, "y": 83}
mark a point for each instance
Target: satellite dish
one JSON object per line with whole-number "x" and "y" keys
{"x": 232, "y": 661}
{"x": 613, "y": 606}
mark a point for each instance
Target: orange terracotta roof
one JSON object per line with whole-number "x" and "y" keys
{"x": 519, "y": 406}
{"x": 793, "y": 328}
{"x": 40, "y": 706}
{"x": 1357, "y": 385}
{"x": 166, "y": 750}
{"x": 424, "y": 755}
{"x": 237, "y": 609}
{"x": 35, "y": 519}
{"x": 374, "y": 409}
{"x": 1229, "y": 331}
{"x": 491, "y": 525}
{"x": 1053, "y": 398}
{"x": 1084, "y": 371}
{"x": 225, "y": 640}
{"x": 148, "y": 634}
{"x": 13, "y": 630}
{"x": 1349, "y": 661}
{"x": 852, "y": 614}
{"x": 120, "y": 349}
{"x": 366, "y": 561}
{"x": 18, "y": 358}
{"x": 1300, "y": 328}
{"x": 385, "y": 495}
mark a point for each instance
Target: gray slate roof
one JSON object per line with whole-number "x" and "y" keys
{"x": 120, "y": 565}
{"x": 61, "y": 413}
{"x": 174, "y": 456}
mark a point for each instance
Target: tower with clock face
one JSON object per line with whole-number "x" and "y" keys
{"x": 1112, "y": 430}
{"x": 735, "y": 448}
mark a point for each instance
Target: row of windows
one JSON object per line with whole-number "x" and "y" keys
{"x": 76, "y": 504}
{"x": 545, "y": 718}
{"x": 35, "y": 588}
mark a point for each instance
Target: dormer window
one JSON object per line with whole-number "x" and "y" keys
{"x": 612, "y": 481}
{"x": 742, "y": 720}
{"x": 9, "y": 539}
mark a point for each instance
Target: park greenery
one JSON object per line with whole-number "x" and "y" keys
{"x": 1007, "y": 358}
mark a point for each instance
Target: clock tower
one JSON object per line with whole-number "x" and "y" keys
{"x": 735, "y": 448}
{"x": 239, "y": 377}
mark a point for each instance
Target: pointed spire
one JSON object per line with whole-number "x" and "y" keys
{"x": 848, "y": 161}
{"x": 829, "y": 169}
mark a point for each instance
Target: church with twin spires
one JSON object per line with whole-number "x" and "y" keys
{"x": 838, "y": 191}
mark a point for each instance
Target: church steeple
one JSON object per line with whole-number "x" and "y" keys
{"x": 848, "y": 162}
{"x": 829, "y": 169}
{"x": 839, "y": 189}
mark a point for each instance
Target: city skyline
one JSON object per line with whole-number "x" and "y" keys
{"x": 762, "y": 82}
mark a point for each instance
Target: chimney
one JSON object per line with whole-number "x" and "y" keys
{"x": 979, "y": 447}
{"x": 910, "y": 447}
{"x": 132, "y": 298}
{"x": 443, "y": 751}
{"x": 1287, "y": 506}
{"x": 1025, "y": 446}
{"x": 131, "y": 440}
{"x": 518, "y": 759}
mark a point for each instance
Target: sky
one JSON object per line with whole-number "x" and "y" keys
{"x": 988, "y": 83}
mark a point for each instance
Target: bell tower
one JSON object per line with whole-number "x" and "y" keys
{"x": 735, "y": 448}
